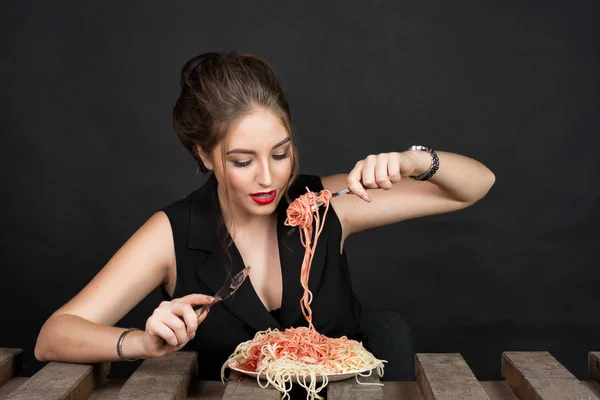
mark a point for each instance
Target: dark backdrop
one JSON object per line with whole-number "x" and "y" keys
{"x": 88, "y": 152}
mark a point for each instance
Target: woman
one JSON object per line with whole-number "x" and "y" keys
{"x": 233, "y": 118}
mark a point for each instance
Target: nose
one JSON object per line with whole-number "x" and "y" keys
{"x": 264, "y": 176}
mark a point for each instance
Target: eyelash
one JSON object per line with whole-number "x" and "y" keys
{"x": 275, "y": 157}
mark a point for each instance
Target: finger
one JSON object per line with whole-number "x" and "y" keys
{"x": 190, "y": 319}
{"x": 353, "y": 181}
{"x": 178, "y": 327}
{"x": 381, "y": 172}
{"x": 202, "y": 310}
{"x": 202, "y": 316}
{"x": 394, "y": 169}
{"x": 163, "y": 331}
{"x": 195, "y": 299}
{"x": 368, "y": 172}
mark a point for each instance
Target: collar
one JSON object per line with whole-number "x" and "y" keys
{"x": 205, "y": 216}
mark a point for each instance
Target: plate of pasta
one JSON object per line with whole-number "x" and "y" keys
{"x": 303, "y": 356}
{"x": 331, "y": 377}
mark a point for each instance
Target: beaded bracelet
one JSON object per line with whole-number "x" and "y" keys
{"x": 435, "y": 163}
{"x": 120, "y": 343}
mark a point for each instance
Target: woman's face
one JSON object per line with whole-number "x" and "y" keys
{"x": 258, "y": 164}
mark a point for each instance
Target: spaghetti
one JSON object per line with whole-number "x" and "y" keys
{"x": 302, "y": 354}
{"x": 301, "y": 214}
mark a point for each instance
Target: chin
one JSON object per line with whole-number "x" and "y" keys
{"x": 264, "y": 210}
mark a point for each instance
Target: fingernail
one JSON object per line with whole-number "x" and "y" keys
{"x": 366, "y": 198}
{"x": 210, "y": 298}
{"x": 193, "y": 335}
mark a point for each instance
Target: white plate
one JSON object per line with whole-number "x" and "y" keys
{"x": 330, "y": 377}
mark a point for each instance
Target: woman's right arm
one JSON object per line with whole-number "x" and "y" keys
{"x": 82, "y": 330}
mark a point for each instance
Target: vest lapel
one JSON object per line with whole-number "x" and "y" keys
{"x": 204, "y": 220}
{"x": 245, "y": 303}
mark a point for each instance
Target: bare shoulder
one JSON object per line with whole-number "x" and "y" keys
{"x": 156, "y": 231}
{"x": 141, "y": 265}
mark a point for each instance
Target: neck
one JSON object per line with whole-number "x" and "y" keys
{"x": 242, "y": 225}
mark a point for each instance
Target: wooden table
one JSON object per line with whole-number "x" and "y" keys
{"x": 528, "y": 376}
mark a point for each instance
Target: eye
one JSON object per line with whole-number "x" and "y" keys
{"x": 281, "y": 156}
{"x": 241, "y": 164}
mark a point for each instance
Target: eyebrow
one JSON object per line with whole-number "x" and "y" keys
{"x": 244, "y": 151}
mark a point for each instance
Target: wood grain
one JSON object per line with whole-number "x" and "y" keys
{"x": 242, "y": 387}
{"x": 350, "y": 389}
{"x": 539, "y": 376}
{"x": 58, "y": 381}
{"x": 165, "y": 378}
{"x": 594, "y": 365}
{"x": 11, "y": 362}
{"x": 447, "y": 377}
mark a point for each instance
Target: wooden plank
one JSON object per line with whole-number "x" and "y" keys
{"x": 199, "y": 390}
{"x": 594, "y": 365}
{"x": 58, "y": 381}
{"x": 349, "y": 389}
{"x": 406, "y": 390}
{"x": 165, "y": 378}
{"x": 214, "y": 390}
{"x": 11, "y": 385}
{"x": 241, "y": 387}
{"x": 593, "y": 386}
{"x": 409, "y": 390}
{"x": 11, "y": 361}
{"x": 207, "y": 390}
{"x": 108, "y": 390}
{"x": 539, "y": 376}
{"x": 448, "y": 377}
{"x": 498, "y": 390}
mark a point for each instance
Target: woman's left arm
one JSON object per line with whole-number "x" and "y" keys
{"x": 385, "y": 194}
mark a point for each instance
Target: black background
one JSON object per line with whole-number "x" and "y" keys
{"x": 88, "y": 152}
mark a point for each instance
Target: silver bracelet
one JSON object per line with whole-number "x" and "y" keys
{"x": 435, "y": 163}
{"x": 120, "y": 343}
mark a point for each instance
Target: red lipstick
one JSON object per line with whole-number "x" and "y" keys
{"x": 263, "y": 198}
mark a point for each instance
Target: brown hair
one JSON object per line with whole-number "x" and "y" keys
{"x": 217, "y": 89}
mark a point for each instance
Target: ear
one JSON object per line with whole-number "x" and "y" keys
{"x": 204, "y": 157}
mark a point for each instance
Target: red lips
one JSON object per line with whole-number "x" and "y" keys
{"x": 264, "y": 198}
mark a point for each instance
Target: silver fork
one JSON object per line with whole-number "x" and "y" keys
{"x": 336, "y": 194}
